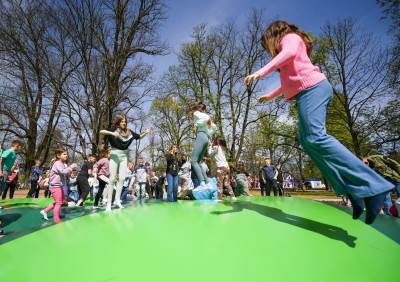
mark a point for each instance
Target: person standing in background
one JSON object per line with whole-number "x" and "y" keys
{"x": 269, "y": 174}
{"x": 12, "y": 182}
{"x": 7, "y": 161}
{"x": 36, "y": 172}
{"x": 141, "y": 179}
{"x": 102, "y": 171}
{"x": 172, "y": 173}
{"x": 83, "y": 179}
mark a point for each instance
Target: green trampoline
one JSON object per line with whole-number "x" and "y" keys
{"x": 253, "y": 239}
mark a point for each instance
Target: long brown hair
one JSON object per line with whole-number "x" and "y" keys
{"x": 57, "y": 153}
{"x": 105, "y": 152}
{"x": 272, "y": 37}
{"x": 170, "y": 148}
{"x": 198, "y": 106}
{"x": 118, "y": 120}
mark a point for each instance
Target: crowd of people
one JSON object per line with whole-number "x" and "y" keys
{"x": 290, "y": 48}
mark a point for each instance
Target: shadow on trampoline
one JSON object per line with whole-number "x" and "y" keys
{"x": 330, "y": 231}
{"x": 29, "y": 220}
{"x": 7, "y": 219}
{"x": 387, "y": 225}
{"x": 16, "y": 205}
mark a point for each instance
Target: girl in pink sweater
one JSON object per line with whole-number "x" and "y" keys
{"x": 58, "y": 180}
{"x": 290, "y": 49}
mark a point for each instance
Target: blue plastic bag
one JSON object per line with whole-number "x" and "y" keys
{"x": 73, "y": 195}
{"x": 201, "y": 193}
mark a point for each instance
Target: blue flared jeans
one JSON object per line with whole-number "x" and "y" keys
{"x": 344, "y": 171}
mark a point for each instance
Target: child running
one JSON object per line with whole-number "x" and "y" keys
{"x": 58, "y": 180}
{"x": 290, "y": 49}
{"x": 217, "y": 150}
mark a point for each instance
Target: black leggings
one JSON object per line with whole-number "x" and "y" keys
{"x": 83, "y": 187}
{"x": 263, "y": 189}
{"x": 34, "y": 190}
{"x": 159, "y": 191}
{"x": 271, "y": 185}
{"x": 102, "y": 185}
{"x": 47, "y": 193}
{"x": 11, "y": 187}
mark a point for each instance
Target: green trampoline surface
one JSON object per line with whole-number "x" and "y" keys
{"x": 253, "y": 239}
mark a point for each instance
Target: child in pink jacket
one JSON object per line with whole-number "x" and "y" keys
{"x": 58, "y": 180}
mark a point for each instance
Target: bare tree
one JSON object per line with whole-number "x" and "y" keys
{"x": 35, "y": 66}
{"x": 127, "y": 29}
{"x": 211, "y": 69}
{"x": 358, "y": 70}
{"x": 110, "y": 37}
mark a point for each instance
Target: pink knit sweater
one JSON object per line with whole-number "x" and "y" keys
{"x": 297, "y": 73}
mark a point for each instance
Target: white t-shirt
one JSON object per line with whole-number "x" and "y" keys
{"x": 200, "y": 119}
{"x": 141, "y": 174}
{"x": 219, "y": 155}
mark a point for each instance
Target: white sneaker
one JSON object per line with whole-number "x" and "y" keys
{"x": 44, "y": 214}
{"x": 108, "y": 209}
{"x": 234, "y": 198}
{"x": 119, "y": 205}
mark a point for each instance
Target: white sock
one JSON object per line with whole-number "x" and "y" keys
{"x": 202, "y": 183}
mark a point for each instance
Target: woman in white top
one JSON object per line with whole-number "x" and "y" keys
{"x": 217, "y": 150}
{"x": 203, "y": 124}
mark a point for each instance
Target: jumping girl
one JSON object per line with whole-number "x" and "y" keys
{"x": 120, "y": 138}
{"x": 203, "y": 124}
{"x": 58, "y": 180}
{"x": 290, "y": 49}
{"x": 217, "y": 150}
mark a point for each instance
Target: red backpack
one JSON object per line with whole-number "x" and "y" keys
{"x": 41, "y": 183}
{"x": 13, "y": 177}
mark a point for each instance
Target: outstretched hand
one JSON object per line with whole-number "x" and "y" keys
{"x": 263, "y": 99}
{"x": 251, "y": 78}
